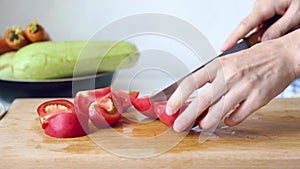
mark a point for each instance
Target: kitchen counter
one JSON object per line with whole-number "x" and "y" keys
{"x": 269, "y": 138}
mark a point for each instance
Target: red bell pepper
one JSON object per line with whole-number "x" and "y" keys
{"x": 59, "y": 119}
{"x": 83, "y": 99}
{"x": 160, "y": 110}
{"x": 106, "y": 111}
{"x": 103, "y": 106}
{"x": 144, "y": 106}
{"x": 126, "y": 97}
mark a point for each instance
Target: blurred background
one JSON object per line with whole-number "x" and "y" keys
{"x": 80, "y": 19}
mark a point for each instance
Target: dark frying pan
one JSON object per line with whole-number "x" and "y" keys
{"x": 65, "y": 87}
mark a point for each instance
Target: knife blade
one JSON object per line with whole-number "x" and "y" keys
{"x": 246, "y": 43}
{"x": 2, "y": 110}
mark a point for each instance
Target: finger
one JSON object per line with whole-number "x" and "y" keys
{"x": 197, "y": 106}
{"x": 288, "y": 21}
{"x": 201, "y": 103}
{"x": 247, "y": 107}
{"x": 190, "y": 84}
{"x": 224, "y": 106}
{"x": 252, "y": 21}
{"x": 184, "y": 90}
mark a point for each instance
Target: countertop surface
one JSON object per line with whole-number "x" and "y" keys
{"x": 269, "y": 138}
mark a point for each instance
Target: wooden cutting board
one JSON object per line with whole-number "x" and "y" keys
{"x": 270, "y": 138}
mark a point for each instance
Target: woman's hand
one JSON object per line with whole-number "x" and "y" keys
{"x": 249, "y": 79}
{"x": 263, "y": 10}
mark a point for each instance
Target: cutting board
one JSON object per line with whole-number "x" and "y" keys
{"x": 269, "y": 138}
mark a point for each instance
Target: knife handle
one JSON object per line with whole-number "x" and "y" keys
{"x": 246, "y": 43}
{"x": 253, "y": 38}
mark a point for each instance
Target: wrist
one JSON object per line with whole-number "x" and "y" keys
{"x": 291, "y": 47}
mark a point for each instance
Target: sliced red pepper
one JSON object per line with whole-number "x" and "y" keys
{"x": 104, "y": 106}
{"x": 160, "y": 110}
{"x": 63, "y": 125}
{"x": 52, "y": 107}
{"x": 106, "y": 111}
{"x": 144, "y": 106}
{"x": 126, "y": 97}
{"x": 59, "y": 119}
{"x": 84, "y": 99}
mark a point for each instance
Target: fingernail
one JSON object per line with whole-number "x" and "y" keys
{"x": 266, "y": 38}
{"x": 203, "y": 124}
{"x": 225, "y": 46}
{"x": 177, "y": 127}
{"x": 169, "y": 110}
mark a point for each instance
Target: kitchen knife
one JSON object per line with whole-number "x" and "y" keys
{"x": 246, "y": 43}
{"x": 2, "y": 110}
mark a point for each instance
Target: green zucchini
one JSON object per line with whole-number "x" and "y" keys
{"x": 50, "y": 60}
{"x": 6, "y": 61}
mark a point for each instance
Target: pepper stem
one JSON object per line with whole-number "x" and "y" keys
{"x": 33, "y": 26}
{"x": 15, "y": 34}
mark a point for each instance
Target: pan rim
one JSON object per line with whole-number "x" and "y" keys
{"x": 69, "y": 79}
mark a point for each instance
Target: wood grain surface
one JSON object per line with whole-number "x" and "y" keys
{"x": 269, "y": 138}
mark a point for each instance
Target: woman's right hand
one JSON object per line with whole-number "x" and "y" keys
{"x": 263, "y": 10}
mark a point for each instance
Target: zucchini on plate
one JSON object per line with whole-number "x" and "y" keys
{"x": 53, "y": 60}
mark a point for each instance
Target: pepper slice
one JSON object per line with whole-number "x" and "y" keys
{"x": 144, "y": 106}
{"x": 160, "y": 110}
{"x": 126, "y": 97}
{"x": 106, "y": 111}
{"x": 84, "y": 99}
{"x": 52, "y": 107}
{"x": 63, "y": 125}
{"x": 58, "y": 119}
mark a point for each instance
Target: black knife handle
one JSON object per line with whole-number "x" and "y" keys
{"x": 246, "y": 43}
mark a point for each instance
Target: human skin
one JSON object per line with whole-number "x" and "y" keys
{"x": 242, "y": 82}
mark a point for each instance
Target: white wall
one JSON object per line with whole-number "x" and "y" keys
{"x": 80, "y": 19}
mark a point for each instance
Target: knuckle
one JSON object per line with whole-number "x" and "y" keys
{"x": 260, "y": 5}
{"x": 204, "y": 101}
{"x": 190, "y": 83}
{"x": 278, "y": 31}
{"x": 231, "y": 72}
{"x": 258, "y": 2}
{"x": 245, "y": 23}
{"x": 175, "y": 103}
{"x": 214, "y": 116}
{"x": 259, "y": 98}
{"x": 222, "y": 60}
